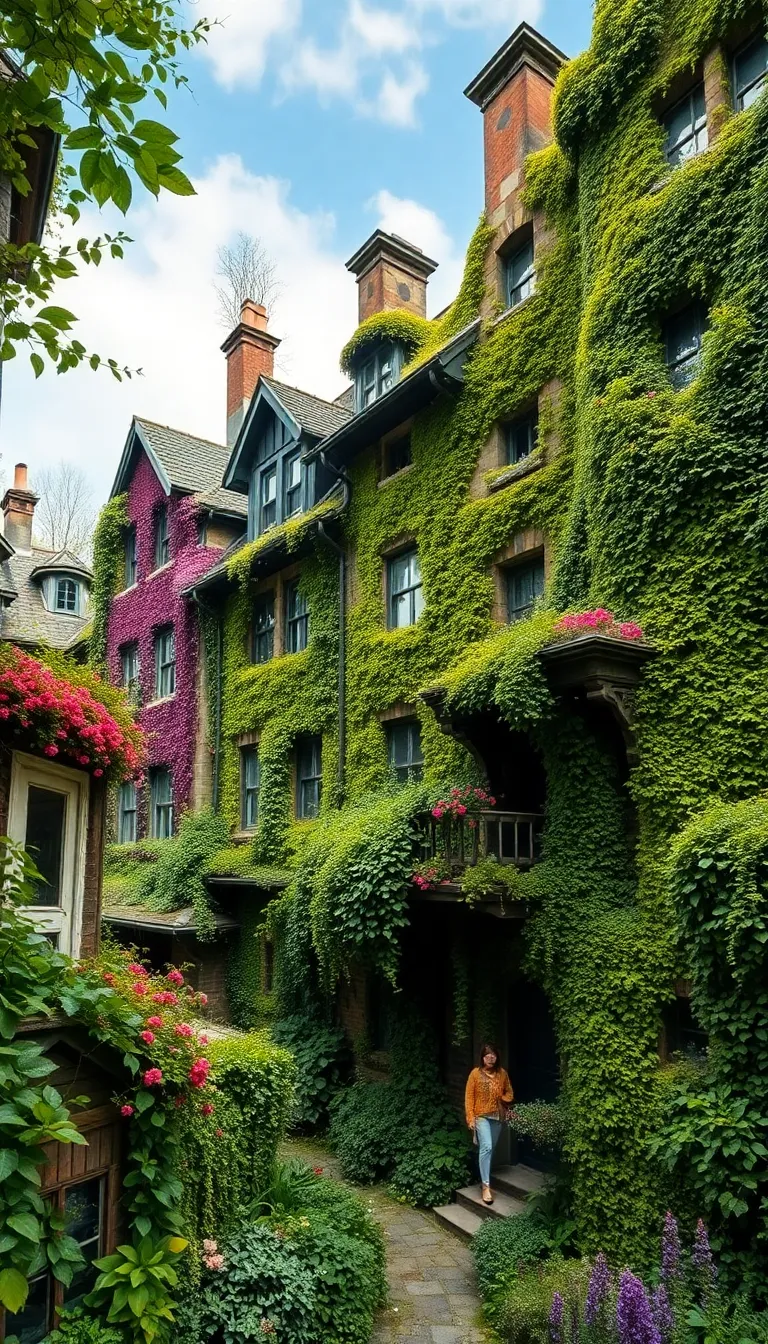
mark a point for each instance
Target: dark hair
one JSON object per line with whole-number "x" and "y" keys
{"x": 488, "y": 1049}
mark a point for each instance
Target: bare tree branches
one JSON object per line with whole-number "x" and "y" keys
{"x": 65, "y": 516}
{"x": 246, "y": 271}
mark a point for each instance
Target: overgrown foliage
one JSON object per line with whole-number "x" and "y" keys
{"x": 108, "y": 570}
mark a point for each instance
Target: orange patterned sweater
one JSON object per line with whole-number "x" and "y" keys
{"x": 485, "y": 1093}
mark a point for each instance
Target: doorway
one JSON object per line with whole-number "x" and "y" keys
{"x": 533, "y": 1060}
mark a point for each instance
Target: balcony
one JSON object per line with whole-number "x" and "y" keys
{"x": 460, "y": 842}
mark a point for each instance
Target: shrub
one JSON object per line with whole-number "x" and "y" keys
{"x": 349, "y": 1281}
{"x": 76, "y": 1327}
{"x": 502, "y": 1245}
{"x": 429, "y": 1172}
{"x": 520, "y": 1311}
{"x": 343, "y": 1209}
{"x": 259, "y": 1078}
{"x": 323, "y": 1062}
{"x": 260, "y": 1280}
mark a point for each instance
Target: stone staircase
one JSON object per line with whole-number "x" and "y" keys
{"x": 511, "y": 1187}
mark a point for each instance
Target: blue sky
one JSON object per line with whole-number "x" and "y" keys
{"x": 308, "y": 125}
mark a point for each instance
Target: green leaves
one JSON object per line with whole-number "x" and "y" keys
{"x": 13, "y": 1289}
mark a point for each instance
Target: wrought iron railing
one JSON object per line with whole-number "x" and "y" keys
{"x": 460, "y": 842}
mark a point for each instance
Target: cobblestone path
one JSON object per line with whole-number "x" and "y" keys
{"x": 432, "y": 1294}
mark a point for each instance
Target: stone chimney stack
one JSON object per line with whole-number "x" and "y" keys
{"x": 250, "y": 351}
{"x": 19, "y": 510}
{"x": 514, "y": 93}
{"x": 391, "y": 273}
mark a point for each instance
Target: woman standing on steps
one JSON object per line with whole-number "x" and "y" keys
{"x": 487, "y": 1099}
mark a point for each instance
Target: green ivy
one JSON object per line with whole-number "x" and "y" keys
{"x": 108, "y": 562}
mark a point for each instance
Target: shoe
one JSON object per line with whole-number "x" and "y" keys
{"x": 487, "y": 1195}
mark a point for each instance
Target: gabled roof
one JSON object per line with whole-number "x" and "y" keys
{"x": 56, "y": 562}
{"x": 182, "y": 461}
{"x": 301, "y": 412}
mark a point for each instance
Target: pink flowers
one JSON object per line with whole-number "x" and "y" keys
{"x": 212, "y": 1257}
{"x": 198, "y": 1074}
{"x": 202, "y": 999}
{"x": 64, "y": 711}
{"x": 207, "y": 1109}
{"x": 126, "y": 1110}
{"x": 139, "y": 988}
{"x": 202, "y": 1038}
{"x": 175, "y": 977}
{"x": 135, "y": 968}
{"x": 154, "y": 1021}
{"x": 108, "y": 978}
{"x": 165, "y": 996}
{"x": 601, "y": 621}
{"x": 183, "y": 1029}
{"x": 148, "y": 1037}
{"x": 461, "y": 801}
{"x": 318, "y": 1171}
{"x": 152, "y": 1077}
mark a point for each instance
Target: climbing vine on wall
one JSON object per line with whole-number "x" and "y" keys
{"x": 108, "y": 566}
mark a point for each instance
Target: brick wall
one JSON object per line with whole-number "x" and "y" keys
{"x": 515, "y": 123}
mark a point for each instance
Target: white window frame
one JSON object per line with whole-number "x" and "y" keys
{"x": 66, "y": 919}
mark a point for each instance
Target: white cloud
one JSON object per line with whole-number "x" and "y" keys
{"x": 421, "y": 226}
{"x": 480, "y": 13}
{"x": 381, "y": 30}
{"x": 396, "y": 100}
{"x": 238, "y": 44}
{"x": 157, "y": 310}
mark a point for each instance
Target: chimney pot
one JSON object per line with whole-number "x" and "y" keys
{"x": 250, "y": 351}
{"x": 20, "y": 476}
{"x": 19, "y": 510}
{"x": 391, "y": 273}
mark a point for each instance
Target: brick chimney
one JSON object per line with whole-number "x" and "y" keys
{"x": 19, "y": 510}
{"x": 391, "y": 273}
{"x": 514, "y": 93}
{"x": 250, "y": 351}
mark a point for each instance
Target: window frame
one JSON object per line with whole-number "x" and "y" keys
{"x": 263, "y": 635}
{"x": 270, "y": 471}
{"x": 62, "y": 921}
{"x": 297, "y": 622}
{"x": 697, "y": 127}
{"x": 123, "y": 812}
{"x": 161, "y": 808}
{"x": 684, "y": 371}
{"x": 528, "y": 421}
{"x": 390, "y": 450}
{"x": 413, "y": 766}
{"x": 377, "y": 373}
{"x": 416, "y": 605}
{"x": 513, "y": 293}
{"x": 533, "y": 564}
{"x": 760, "y": 83}
{"x": 165, "y": 666}
{"x": 309, "y": 748}
{"x": 249, "y": 752}
{"x": 289, "y": 459}
{"x": 63, "y": 580}
{"x": 129, "y": 651}
{"x": 162, "y": 537}
{"x": 131, "y": 557}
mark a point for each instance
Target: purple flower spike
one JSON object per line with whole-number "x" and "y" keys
{"x": 556, "y": 1319}
{"x": 670, "y": 1249}
{"x": 633, "y": 1313}
{"x": 662, "y": 1313}
{"x": 701, "y": 1256}
{"x": 599, "y": 1285}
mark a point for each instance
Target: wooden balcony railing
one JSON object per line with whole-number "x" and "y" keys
{"x": 511, "y": 837}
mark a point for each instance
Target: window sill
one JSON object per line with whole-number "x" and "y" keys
{"x": 161, "y": 700}
{"x": 395, "y": 476}
{"x": 516, "y": 472}
{"x": 160, "y": 569}
{"x": 243, "y": 836}
{"x": 130, "y": 589}
{"x": 517, "y": 308}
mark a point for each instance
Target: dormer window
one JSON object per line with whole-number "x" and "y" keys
{"x": 67, "y": 596}
{"x": 64, "y": 594}
{"x": 379, "y": 372}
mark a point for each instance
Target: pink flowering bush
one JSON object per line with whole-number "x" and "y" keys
{"x": 600, "y": 622}
{"x": 66, "y": 719}
{"x": 431, "y": 873}
{"x": 467, "y": 802}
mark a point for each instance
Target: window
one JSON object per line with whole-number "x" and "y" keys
{"x": 686, "y": 127}
{"x": 520, "y": 276}
{"x": 309, "y": 777}
{"x": 83, "y": 1210}
{"x": 406, "y": 758}
{"x": 396, "y": 455}
{"x": 263, "y": 637}
{"x": 522, "y": 437}
{"x": 750, "y": 71}
{"x": 47, "y": 816}
{"x": 161, "y": 803}
{"x": 250, "y": 783}
{"x": 162, "y": 540}
{"x": 126, "y": 813}
{"x": 524, "y": 584}
{"x": 292, "y": 481}
{"x": 129, "y": 666}
{"x": 683, "y": 336}
{"x": 405, "y": 594}
{"x": 268, "y": 499}
{"x": 67, "y": 596}
{"x": 202, "y": 530}
{"x": 131, "y": 560}
{"x": 378, "y": 374}
{"x": 296, "y": 618}
{"x": 165, "y": 663}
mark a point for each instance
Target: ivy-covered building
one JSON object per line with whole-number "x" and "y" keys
{"x": 485, "y": 676}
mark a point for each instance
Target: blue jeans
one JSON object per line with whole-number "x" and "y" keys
{"x": 487, "y": 1129}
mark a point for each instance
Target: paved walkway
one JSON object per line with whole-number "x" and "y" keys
{"x": 432, "y": 1294}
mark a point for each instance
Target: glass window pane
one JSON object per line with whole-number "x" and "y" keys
{"x": 520, "y": 274}
{"x": 524, "y": 584}
{"x": 522, "y": 436}
{"x": 30, "y": 1325}
{"x": 46, "y": 818}
{"x": 126, "y": 822}
{"x": 82, "y": 1205}
{"x": 751, "y": 66}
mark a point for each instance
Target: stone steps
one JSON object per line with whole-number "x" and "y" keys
{"x": 511, "y": 1187}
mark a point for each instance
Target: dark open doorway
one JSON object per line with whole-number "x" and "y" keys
{"x": 533, "y": 1062}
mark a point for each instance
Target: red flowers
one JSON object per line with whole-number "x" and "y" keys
{"x": 166, "y": 997}
{"x": 139, "y": 988}
{"x": 602, "y": 621}
{"x": 198, "y": 1074}
{"x": 135, "y": 968}
{"x": 175, "y": 977}
{"x": 202, "y": 998}
{"x": 126, "y": 1110}
{"x": 154, "y": 1021}
{"x": 62, "y": 712}
{"x": 207, "y": 1109}
{"x": 108, "y": 978}
{"x": 152, "y": 1077}
{"x": 148, "y": 1037}
{"x": 462, "y": 801}
{"x": 183, "y": 1029}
